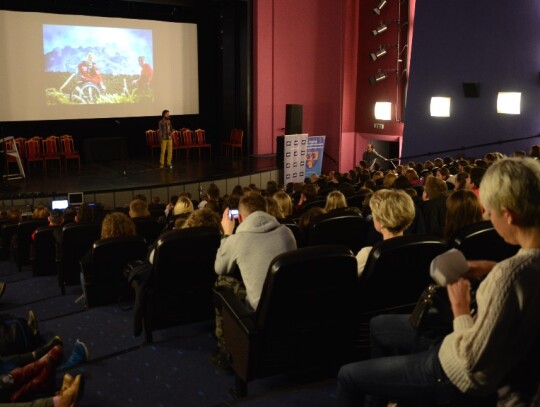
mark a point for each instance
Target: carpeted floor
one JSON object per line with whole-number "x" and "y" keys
{"x": 173, "y": 371}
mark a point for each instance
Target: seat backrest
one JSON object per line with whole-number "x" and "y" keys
{"x": 183, "y": 277}
{"x": 308, "y": 303}
{"x": 33, "y": 148}
{"x": 21, "y": 141}
{"x": 201, "y": 136}
{"x": 77, "y": 239}
{"x": 150, "y": 137}
{"x": 481, "y": 241}
{"x": 6, "y": 234}
{"x": 188, "y": 137}
{"x": 24, "y": 238}
{"x": 356, "y": 200}
{"x": 50, "y": 145}
{"x": 109, "y": 258}
{"x": 347, "y": 230}
{"x": 397, "y": 271}
{"x": 148, "y": 228}
{"x": 44, "y": 251}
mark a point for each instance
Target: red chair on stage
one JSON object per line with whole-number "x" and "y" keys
{"x": 51, "y": 152}
{"x": 68, "y": 151}
{"x": 200, "y": 136}
{"x": 34, "y": 153}
{"x": 237, "y": 136}
{"x": 152, "y": 141}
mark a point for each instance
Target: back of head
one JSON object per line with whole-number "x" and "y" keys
{"x": 435, "y": 187}
{"x": 477, "y": 174}
{"x": 183, "y": 205}
{"x": 335, "y": 200}
{"x": 272, "y": 207}
{"x": 138, "y": 208}
{"x": 513, "y": 183}
{"x": 56, "y": 217}
{"x": 393, "y": 209}
{"x": 40, "y": 212}
{"x": 284, "y": 202}
{"x": 14, "y": 215}
{"x": 250, "y": 203}
{"x": 85, "y": 214}
{"x": 117, "y": 224}
{"x": 203, "y": 218}
{"x": 213, "y": 191}
{"x": 462, "y": 209}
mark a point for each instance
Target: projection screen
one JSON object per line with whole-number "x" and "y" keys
{"x": 58, "y": 67}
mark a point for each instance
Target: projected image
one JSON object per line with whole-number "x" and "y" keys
{"x": 97, "y": 65}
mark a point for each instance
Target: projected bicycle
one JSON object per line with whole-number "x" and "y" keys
{"x": 85, "y": 92}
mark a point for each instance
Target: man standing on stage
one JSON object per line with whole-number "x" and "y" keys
{"x": 370, "y": 156}
{"x": 165, "y": 130}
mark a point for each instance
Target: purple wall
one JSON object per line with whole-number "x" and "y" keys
{"x": 496, "y": 43}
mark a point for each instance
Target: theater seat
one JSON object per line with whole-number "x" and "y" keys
{"x": 180, "y": 288}
{"x": 43, "y": 255}
{"x": 481, "y": 241}
{"x": 347, "y": 230}
{"x": 106, "y": 283}
{"x": 305, "y": 318}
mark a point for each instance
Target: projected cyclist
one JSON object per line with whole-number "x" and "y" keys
{"x": 145, "y": 78}
{"x": 90, "y": 82}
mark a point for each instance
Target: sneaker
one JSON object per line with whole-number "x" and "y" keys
{"x": 170, "y": 166}
{"x": 78, "y": 356}
{"x": 32, "y": 323}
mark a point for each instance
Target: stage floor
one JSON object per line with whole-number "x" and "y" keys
{"x": 133, "y": 173}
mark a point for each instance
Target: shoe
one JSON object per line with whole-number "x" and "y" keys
{"x": 78, "y": 356}
{"x": 72, "y": 393}
{"x": 23, "y": 375}
{"x": 2, "y": 288}
{"x": 161, "y": 166}
{"x": 170, "y": 166}
{"x": 40, "y": 352}
{"x": 32, "y": 323}
{"x": 221, "y": 359}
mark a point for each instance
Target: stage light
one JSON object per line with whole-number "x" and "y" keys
{"x": 509, "y": 102}
{"x": 379, "y": 76}
{"x": 383, "y": 110}
{"x": 440, "y": 106}
{"x": 377, "y": 10}
{"x": 380, "y": 29}
{"x": 379, "y": 53}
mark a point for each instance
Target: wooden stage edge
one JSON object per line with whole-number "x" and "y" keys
{"x": 113, "y": 184}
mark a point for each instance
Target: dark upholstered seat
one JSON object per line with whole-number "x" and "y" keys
{"x": 180, "y": 288}
{"x": 348, "y": 230}
{"x": 77, "y": 239}
{"x": 106, "y": 283}
{"x": 148, "y": 228}
{"x": 6, "y": 235}
{"x": 43, "y": 257}
{"x": 481, "y": 241}
{"x": 397, "y": 271}
{"x": 305, "y": 318}
{"x": 24, "y": 239}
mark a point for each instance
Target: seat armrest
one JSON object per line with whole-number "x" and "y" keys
{"x": 236, "y": 309}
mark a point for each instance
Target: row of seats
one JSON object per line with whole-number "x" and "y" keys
{"x": 183, "y": 139}
{"x": 43, "y": 151}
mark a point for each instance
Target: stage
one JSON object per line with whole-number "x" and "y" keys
{"x": 98, "y": 180}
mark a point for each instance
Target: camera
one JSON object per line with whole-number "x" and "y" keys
{"x": 233, "y": 213}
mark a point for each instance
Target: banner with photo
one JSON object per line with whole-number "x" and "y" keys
{"x": 294, "y": 158}
{"x": 314, "y": 155}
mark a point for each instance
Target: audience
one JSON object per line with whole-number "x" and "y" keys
{"x": 462, "y": 209}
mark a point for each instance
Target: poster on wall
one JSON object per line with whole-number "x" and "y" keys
{"x": 294, "y": 158}
{"x": 314, "y": 155}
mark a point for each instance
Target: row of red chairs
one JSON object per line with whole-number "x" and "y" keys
{"x": 183, "y": 139}
{"x": 44, "y": 150}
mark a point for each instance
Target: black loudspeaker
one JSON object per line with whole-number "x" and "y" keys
{"x": 293, "y": 119}
{"x": 471, "y": 89}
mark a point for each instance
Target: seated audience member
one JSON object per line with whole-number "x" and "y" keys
{"x": 519, "y": 154}
{"x": 168, "y": 212}
{"x": 271, "y": 188}
{"x": 138, "y": 209}
{"x": 40, "y": 212}
{"x": 309, "y": 194}
{"x": 336, "y": 205}
{"x": 492, "y": 352}
{"x": 462, "y": 209}
{"x": 14, "y": 215}
{"x": 307, "y": 218}
{"x": 85, "y": 214}
{"x": 69, "y": 215}
{"x": 463, "y": 181}
{"x": 434, "y": 205}
{"x": 203, "y": 218}
{"x": 114, "y": 224}
{"x": 182, "y": 209}
{"x": 393, "y": 212}
{"x": 285, "y": 206}
{"x": 250, "y": 250}
{"x": 534, "y": 151}
{"x": 272, "y": 207}
{"x": 212, "y": 194}
{"x": 56, "y": 219}
{"x": 477, "y": 173}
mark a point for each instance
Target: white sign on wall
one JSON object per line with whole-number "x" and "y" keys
{"x": 294, "y": 158}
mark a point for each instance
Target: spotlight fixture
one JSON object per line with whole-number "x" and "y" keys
{"x": 509, "y": 102}
{"x": 440, "y": 106}
{"x": 383, "y": 110}
{"x": 380, "y": 29}
{"x": 379, "y": 53}
{"x": 379, "y": 76}
{"x": 377, "y": 10}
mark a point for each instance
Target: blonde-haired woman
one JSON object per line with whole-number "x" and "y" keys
{"x": 393, "y": 212}
{"x": 492, "y": 351}
{"x": 335, "y": 200}
{"x": 285, "y": 206}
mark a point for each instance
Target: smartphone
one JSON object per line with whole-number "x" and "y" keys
{"x": 233, "y": 213}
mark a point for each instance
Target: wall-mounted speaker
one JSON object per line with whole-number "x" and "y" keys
{"x": 293, "y": 119}
{"x": 471, "y": 89}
